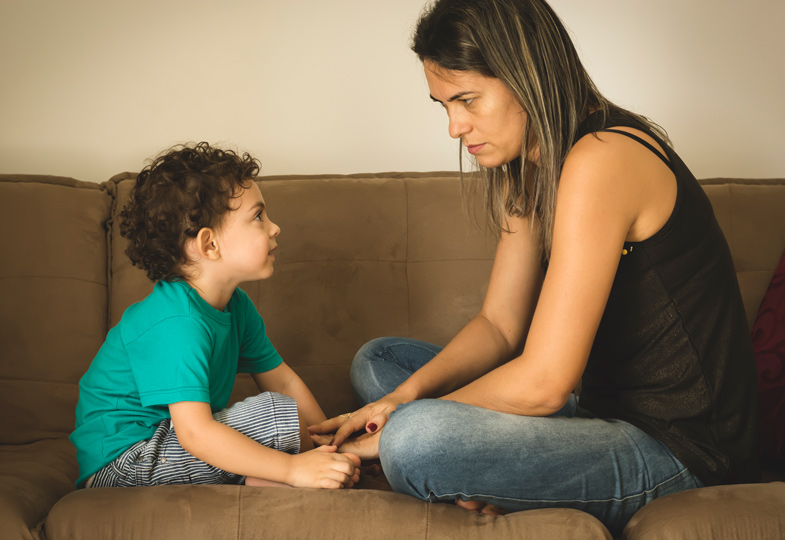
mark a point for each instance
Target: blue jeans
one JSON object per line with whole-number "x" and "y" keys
{"x": 439, "y": 450}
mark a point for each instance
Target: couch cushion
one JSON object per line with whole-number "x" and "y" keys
{"x": 32, "y": 478}
{"x": 750, "y": 214}
{"x": 748, "y": 511}
{"x": 239, "y": 512}
{"x": 53, "y": 284}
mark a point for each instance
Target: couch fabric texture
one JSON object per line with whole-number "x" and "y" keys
{"x": 361, "y": 256}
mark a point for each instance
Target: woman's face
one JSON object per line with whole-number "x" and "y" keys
{"x": 483, "y": 113}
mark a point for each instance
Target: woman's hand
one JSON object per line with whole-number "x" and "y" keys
{"x": 325, "y": 468}
{"x": 370, "y": 418}
{"x": 366, "y": 446}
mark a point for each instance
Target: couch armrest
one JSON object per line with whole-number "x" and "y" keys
{"x": 718, "y": 512}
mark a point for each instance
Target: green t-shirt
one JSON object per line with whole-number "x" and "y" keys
{"x": 171, "y": 347}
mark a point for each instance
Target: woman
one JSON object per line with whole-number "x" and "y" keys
{"x": 610, "y": 269}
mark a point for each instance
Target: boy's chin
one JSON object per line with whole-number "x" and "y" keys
{"x": 267, "y": 273}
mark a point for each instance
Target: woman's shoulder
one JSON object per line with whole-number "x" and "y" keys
{"x": 625, "y": 169}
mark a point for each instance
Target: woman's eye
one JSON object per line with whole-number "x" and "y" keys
{"x": 468, "y": 101}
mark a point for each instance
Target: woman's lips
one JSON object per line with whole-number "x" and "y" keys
{"x": 474, "y": 148}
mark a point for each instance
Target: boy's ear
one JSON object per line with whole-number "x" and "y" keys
{"x": 205, "y": 245}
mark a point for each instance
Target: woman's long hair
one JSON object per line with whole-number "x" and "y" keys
{"x": 525, "y": 45}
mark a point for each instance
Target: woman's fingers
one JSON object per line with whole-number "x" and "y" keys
{"x": 336, "y": 430}
{"x": 355, "y": 422}
{"x": 377, "y": 422}
{"x": 328, "y": 426}
{"x": 321, "y": 440}
{"x": 370, "y": 418}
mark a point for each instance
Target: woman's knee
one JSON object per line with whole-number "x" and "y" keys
{"x": 413, "y": 445}
{"x": 362, "y": 372}
{"x": 365, "y": 357}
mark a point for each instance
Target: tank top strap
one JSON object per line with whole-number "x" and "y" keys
{"x": 644, "y": 143}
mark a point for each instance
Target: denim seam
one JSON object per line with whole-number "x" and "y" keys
{"x": 406, "y": 344}
{"x": 613, "y": 499}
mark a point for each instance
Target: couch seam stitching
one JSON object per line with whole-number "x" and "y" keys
{"x": 406, "y": 258}
{"x": 239, "y": 512}
{"x": 427, "y": 520}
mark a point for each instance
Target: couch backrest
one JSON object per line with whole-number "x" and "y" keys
{"x": 752, "y": 216}
{"x": 360, "y": 256}
{"x": 53, "y": 291}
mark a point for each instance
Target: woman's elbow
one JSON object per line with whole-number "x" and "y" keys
{"x": 554, "y": 404}
{"x": 546, "y": 401}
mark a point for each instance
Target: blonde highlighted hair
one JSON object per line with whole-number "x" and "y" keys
{"x": 524, "y": 44}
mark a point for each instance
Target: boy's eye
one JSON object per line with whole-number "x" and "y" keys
{"x": 258, "y": 217}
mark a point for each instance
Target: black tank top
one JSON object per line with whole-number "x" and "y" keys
{"x": 673, "y": 354}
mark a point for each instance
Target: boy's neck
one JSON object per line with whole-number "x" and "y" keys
{"x": 215, "y": 294}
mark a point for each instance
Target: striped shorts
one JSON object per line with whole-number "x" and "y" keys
{"x": 270, "y": 419}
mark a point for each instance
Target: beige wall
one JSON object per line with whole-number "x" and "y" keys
{"x": 89, "y": 88}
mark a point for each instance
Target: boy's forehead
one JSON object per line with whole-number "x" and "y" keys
{"x": 251, "y": 196}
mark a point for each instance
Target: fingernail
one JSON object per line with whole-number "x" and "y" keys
{"x": 372, "y": 427}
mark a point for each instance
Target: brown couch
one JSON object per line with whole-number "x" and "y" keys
{"x": 361, "y": 256}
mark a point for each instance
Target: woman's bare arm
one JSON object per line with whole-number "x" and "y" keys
{"x": 609, "y": 193}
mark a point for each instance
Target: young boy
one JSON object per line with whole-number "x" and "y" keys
{"x": 152, "y": 405}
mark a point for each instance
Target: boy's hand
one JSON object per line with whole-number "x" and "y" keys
{"x": 324, "y": 468}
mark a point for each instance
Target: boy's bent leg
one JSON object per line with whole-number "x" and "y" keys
{"x": 160, "y": 461}
{"x": 270, "y": 419}
{"x": 382, "y": 364}
{"x": 442, "y": 451}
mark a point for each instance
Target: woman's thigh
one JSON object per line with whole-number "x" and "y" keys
{"x": 441, "y": 450}
{"x": 384, "y": 363}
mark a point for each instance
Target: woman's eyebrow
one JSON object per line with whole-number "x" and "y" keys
{"x": 456, "y": 96}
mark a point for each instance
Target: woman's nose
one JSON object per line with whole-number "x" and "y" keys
{"x": 458, "y": 126}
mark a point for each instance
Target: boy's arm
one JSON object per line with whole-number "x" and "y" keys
{"x": 284, "y": 380}
{"x": 228, "y": 449}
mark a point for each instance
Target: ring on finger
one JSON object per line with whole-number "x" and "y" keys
{"x": 345, "y": 416}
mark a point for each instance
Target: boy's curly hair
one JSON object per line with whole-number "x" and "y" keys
{"x": 185, "y": 189}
